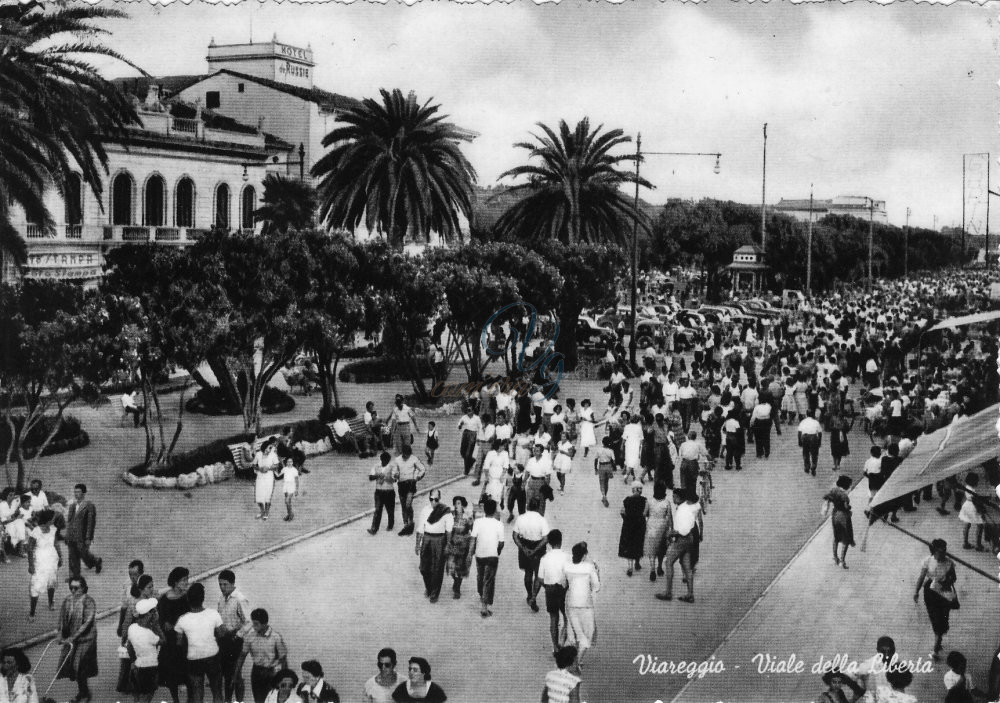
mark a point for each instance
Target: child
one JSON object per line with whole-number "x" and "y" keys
{"x": 959, "y": 678}
{"x": 432, "y": 442}
{"x": 705, "y": 485}
{"x": 290, "y": 483}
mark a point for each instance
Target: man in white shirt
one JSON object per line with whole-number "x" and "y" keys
{"x": 552, "y": 577}
{"x": 530, "y": 532}
{"x": 749, "y": 396}
{"x": 687, "y": 398}
{"x": 484, "y": 440}
{"x": 201, "y": 628}
{"x": 680, "y": 544}
{"x": 810, "y": 439}
{"x": 691, "y": 453}
{"x": 407, "y": 470}
{"x": 234, "y": 609}
{"x": 538, "y": 473}
{"x": 469, "y": 425}
{"x": 486, "y": 545}
{"x": 343, "y": 436}
{"x": 670, "y": 390}
{"x": 760, "y": 422}
{"x": 732, "y": 432}
{"x": 130, "y": 407}
{"x": 433, "y": 528}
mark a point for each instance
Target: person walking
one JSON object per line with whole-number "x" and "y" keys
{"x": 484, "y": 441}
{"x": 379, "y": 688}
{"x": 937, "y": 581}
{"x": 314, "y": 688}
{"x": 81, "y": 522}
{"x": 587, "y": 436}
{"x": 538, "y": 472}
{"x": 268, "y": 652}
{"x": 433, "y": 527}
{"x": 457, "y": 546}
{"x": 732, "y": 429}
{"x": 692, "y": 456}
{"x": 44, "y": 560}
{"x": 264, "y": 465}
{"x": 760, "y": 425}
{"x": 171, "y": 606}
{"x": 198, "y": 631}
{"x": 418, "y": 686}
{"x": 838, "y": 502}
{"x": 681, "y": 540}
{"x": 583, "y": 580}
{"x": 486, "y": 544}
{"x": 408, "y": 470}
{"x": 234, "y": 608}
{"x": 402, "y": 423}
{"x": 663, "y": 467}
{"x": 810, "y": 439}
{"x": 469, "y": 425}
{"x": 604, "y": 467}
{"x": 630, "y": 541}
{"x": 562, "y": 685}
{"x": 385, "y": 493}
{"x": 78, "y": 638}
{"x": 529, "y": 533}
{"x": 290, "y": 486}
{"x": 970, "y": 513}
{"x": 632, "y": 439}
{"x": 658, "y": 520}
{"x": 563, "y": 463}
{"x": 552, "y": 577}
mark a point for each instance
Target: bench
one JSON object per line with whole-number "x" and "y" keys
{"x": 239, "y": 457}
{"x": 358, "y": 428}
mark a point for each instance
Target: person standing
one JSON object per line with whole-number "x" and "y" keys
{"x": 407, "y": 469}
{"x": 552, "y": 577}
{"x": 692, "y": 456}
{"x": 538, "y": 472}
{"x": 583, "y": 580}
{"x": 530, "y": 532}
{"x": 78, "y": 638}
{"x": 630, "y": 542}
{"x": 80, "y": 524}
{"x": 838, "y": 502}
{"x": 732, "y": 428}
{"x": 418, "y": 686}
{"x": 760, "y": 423}
{"x": 563, "y": 463}
{"x": 562, "y": 685}
{"x": 314, "y": 689}
{"x": 199, "y": 629}
{"x": 937, "y": 581}
{"x": 457, "y": 546}
{"x": 810, "y": 439}
{"x": 234, "y": 608}
{"x": 379, "y": 688}
{"x": 403, "y": 423}
{"x": 44, "y": 559}
{"x": 126, "y": 610}
{"x": 264, "y": 465}
{"x": 267, "y": 651}
{"x": 486, "y": 544}
{"x": 385, "y": 492}
{"x": 435, "y": 522}
{"x": 143, "y": 641}
{"x": 587, "y": 437}
{"x": 604, "y": 467}
{"x": 484, "y": 441}
{"x": 681, "y": 542}
{"x": 290, "y": 486}
{"x": 172, "y": 605}
{"x": 663, "y": 468}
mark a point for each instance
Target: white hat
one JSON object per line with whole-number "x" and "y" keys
{"x": 145, "y": 605}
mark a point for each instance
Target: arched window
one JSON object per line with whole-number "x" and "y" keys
{"x": 74, "y": 200}
{"x": 249, "y": 204}
{"x": 121, "y": 196}
{"x": 222, "y": 206}
{"x": 184, "y": 202}
{"x": 154, "y": 202}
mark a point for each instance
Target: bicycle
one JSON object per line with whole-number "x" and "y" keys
{"x": 705, "y": 486}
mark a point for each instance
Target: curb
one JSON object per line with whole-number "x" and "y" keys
{"x": 290, "y": 542}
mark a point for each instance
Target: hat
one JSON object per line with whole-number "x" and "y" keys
{"x": 637, "y": 484}
{"x": 145, "y": 605}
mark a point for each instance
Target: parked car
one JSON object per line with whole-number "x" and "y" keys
{"x": 690, "y": 319}
{"x": 591, "y": 334}
{"x": 647, "y": 330}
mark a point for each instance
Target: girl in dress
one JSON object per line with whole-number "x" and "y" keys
{"x": 970, "y": 515}
{"x": 659, "y": 518}
{"x": 587, "y": 437}
{"x": 572, "y": 420}
{"x": 265, "y": 463}
{"x": 457, "y": 548}
{"x": 44, "y": 560}
{"x": 557, "y": 424}
{"x": 290, "y": 486}
{"x": 12, "y": 526}
{"x": 495, "y": 469}
{"x": 432, "y": 442}
{"x": 563, "y": 464}
{"x": 839, "y": 502}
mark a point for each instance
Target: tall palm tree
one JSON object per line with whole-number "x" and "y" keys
{"x": 575, "y": 194}
{"x": 55, "y": 108}
{"x": 288, "y": 204}
{"x": 398, "y": 165}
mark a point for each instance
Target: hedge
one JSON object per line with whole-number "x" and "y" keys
{"x": 69, "y": 437}
{"x": 218, "y": 450}
{"x": 380, "y": 370}
{"x": 209, "y": 401}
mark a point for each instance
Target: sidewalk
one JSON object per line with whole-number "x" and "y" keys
{"x": 816, "y": 609}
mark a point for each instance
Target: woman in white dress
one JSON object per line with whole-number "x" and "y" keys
{"x": 12, "y": 527}
{"x": 970, "y": 515}
{"x": 587, "y": 437}
{"x": 632, "y": 435}
{"x": 265, "y": 464}
{"x": 495, "y": 467}
{"x": 582, "y": 582}
{"x": 44, "y": 560}
{"x": 563, "y": 464}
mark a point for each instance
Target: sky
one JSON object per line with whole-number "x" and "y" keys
{"x": 859, "y": 98}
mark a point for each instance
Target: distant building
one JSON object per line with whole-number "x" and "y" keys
{"x": 852, "y": 205}
{"x": 748, "y": 269}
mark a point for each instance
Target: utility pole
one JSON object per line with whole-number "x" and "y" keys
{"x": 763, "y": 193}
{"x": 906, "y": 246}
{"x": 962, "y": 258}
{"x": 987, "y": 212}
{"x": 809, "y": 246}
{"x": 871, "y": 224}
{"x": 635, "y": 254}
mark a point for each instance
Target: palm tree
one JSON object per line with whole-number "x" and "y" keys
{"x": 575, "y": 194}
{"x": 55, "y": 108}
{"x": 288, "y": 204}
{"x": 398, "y": 165}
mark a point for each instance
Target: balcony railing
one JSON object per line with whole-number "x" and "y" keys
{"x": 74, "y": 231}
{"x": 193, "y": 234}
{"x": 168, "y": 234}
{"x": 37, "y": 232}
{"x": 135, "y": 234}
{"x": 184, "y": 125}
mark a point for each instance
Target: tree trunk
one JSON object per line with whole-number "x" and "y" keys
{"x": 227, "y": 384}
{"x": 325, "y": 385}
{"x": 333, "y": 380}
{"x": 144, "y": 383}
{"x": 566, "y": 343}
{"x": 199, "y": 379}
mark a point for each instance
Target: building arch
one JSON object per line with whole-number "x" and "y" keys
{"x": 154, "y": 201}
{"x": 73, "y": 200}
{"x": 185, "y": 199}
{"x": 248, "y": 203}
{"x": 122, "y": 208}
{"x": 222, "y": 207}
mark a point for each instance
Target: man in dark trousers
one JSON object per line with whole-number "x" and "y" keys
{"x": 80, "y": 523}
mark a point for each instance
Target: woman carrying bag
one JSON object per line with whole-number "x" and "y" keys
{"x": 937, "y": 581}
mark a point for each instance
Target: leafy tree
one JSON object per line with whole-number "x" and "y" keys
{"x": 55, "y": 108}
{"x": 574, "y": 195}
{"x": 44, "y": 349}
{"x": 288, "y": 204}
{"x": 398, "y": 165}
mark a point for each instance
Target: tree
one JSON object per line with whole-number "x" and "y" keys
{"x": 397, "y": 164}
{"x": 575, "y": 194}
{"x": 288, "y": 204}
{"x": 55, "y": 109}
{"x": 44, "y": 348}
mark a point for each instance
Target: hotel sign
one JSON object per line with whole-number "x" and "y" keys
{"x": 292, "y": 52}
{"x": 64, "y": 264}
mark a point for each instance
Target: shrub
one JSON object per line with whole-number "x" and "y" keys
{"x": 380, "y": 370}
{"x": 337, "y": 413}
{"x": 209, "y": 401}
{"x": 70, "y": 436}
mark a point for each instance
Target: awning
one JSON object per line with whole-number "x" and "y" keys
{"x": 962, "y": 446}
{"x": 955, "y": 322}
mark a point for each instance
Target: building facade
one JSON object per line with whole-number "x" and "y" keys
{"x": 853, "y": 205}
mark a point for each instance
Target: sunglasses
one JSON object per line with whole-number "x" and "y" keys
{"x": 75, "y": 588}
{"x": 385, "y": 665}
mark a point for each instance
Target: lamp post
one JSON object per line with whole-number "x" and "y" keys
{"x": 906, "y": 246}
{"x": 763, "y": 194}
{"x": 809, "y": 246}
{"x": 871, "y": 221}
{"x": 639, "y": 154}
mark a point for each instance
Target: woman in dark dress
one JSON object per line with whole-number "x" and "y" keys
{"x": 843, "y": 529}
{"x": 937, "y": 581}
{"x": 173, "y": 658}
{"x": 633, "y": 513}
{"x": 457, "y": 547}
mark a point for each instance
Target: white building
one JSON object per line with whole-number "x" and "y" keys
{"x": 852, "y": 205}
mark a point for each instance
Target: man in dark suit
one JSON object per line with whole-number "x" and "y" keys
{"x": 80, "y": 523}
{"x": 314, "y": 689}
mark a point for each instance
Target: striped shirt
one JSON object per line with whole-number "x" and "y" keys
{"x": 559, "y": 684}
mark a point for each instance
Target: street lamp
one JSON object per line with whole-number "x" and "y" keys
{"x": 635, "y": 227}
{"x": 871, "y": 220}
